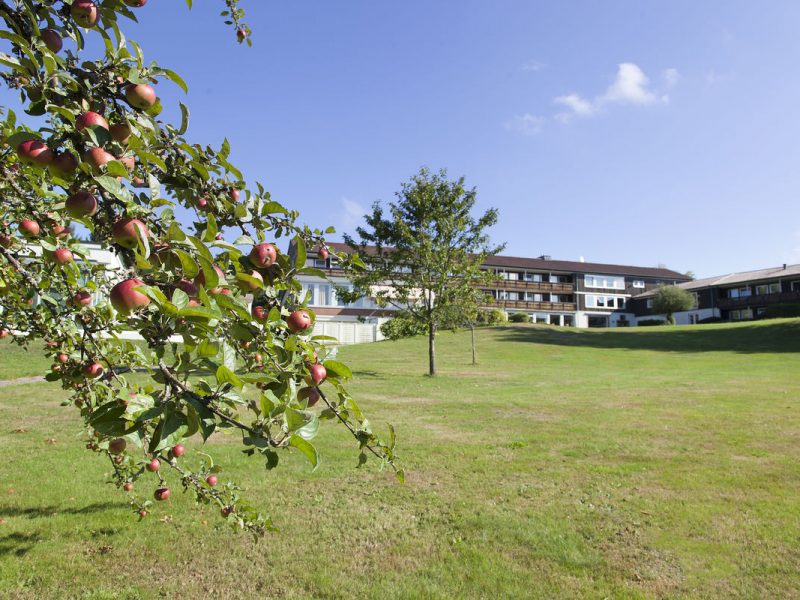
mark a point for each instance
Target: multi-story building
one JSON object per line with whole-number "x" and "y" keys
{"x": 733, "y": 297}
{"x": 557, "y": 292}
{"x": 578, "y": 294}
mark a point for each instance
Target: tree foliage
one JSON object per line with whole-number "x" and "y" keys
{"x": 94, "y": 152}
{"x": 424, "y": 256}
{"x": 670, "y": 299}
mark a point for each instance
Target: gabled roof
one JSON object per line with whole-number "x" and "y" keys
{"x": 769, "y": 274}
{"x": 567, "y": 266}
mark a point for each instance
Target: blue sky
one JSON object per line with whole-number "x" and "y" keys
{"x": 623, "y": 132}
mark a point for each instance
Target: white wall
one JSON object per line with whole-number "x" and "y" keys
{"x": 684, "y": 317}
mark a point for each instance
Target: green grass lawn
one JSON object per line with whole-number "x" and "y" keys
{"x": 650, "y": 463}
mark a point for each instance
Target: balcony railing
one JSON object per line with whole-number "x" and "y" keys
{"x": 533, "y": 286}
{"x": 525, "y": 305}
{"x": 758, "y": 300}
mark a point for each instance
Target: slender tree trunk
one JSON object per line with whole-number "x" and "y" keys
{"x": 472, "y": 330}
{"x": 431, "y": 349}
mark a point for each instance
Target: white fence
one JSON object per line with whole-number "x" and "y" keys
{"x": 349, "y": 332}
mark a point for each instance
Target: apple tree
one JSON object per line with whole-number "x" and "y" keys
{"x": 228, "y": 341}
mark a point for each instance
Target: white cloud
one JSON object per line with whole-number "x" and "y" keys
{"x": 352, "y": 215}
{"x": 526, "y": 124}
{"x": 630, "y": 86}
{"x": 534, "y": 66}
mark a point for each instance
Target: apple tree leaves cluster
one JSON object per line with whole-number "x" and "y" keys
{"x": 228, "y": 340}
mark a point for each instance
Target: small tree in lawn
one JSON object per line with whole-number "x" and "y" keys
{"x": 97, "y": 154}
{"x": 671, "y": 299}
{"x": 424, "y": 257}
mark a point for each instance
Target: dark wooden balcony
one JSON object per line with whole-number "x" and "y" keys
{"x": 533, "y": 286}
{"x": 758, "y": 300}
{"x": 525, "y": 305}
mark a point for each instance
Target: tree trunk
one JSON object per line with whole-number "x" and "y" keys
{"x": 431, "y": 349}
{"x": 472, "y": 330}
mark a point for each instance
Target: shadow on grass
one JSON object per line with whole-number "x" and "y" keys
{"x": 38, "y": 512}
{"x": 762, "y": 337}
{"x": 18, "y": 544}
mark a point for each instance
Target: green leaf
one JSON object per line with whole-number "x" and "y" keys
{"x": 300, "y": 256}
{"x": 115, "y": 188}
{"x": 206, "y": 418}
{"x": 184, "y": 119}
{"x": 306, "y": 448}
{"x": 225, "y": 375}
{"x": 337, "y": 370}
{"x": 174, "y": 428}
{"x": 176, "y": 79}
{"x": 207, "y": 349}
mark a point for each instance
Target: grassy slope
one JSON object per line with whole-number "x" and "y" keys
{"x": 642, "y": 463}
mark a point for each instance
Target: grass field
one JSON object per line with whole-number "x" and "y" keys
{"x": 651, "y": 463}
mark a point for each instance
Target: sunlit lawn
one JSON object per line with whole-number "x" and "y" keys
{"x": 660, "y": 462}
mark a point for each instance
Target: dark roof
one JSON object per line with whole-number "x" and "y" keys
{"x": 568, "y": 266}
{"x": 768, "y": 274}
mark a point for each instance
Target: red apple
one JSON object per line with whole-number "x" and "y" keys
{"x": 260, "y": 313}
{"x": 29, "y": 228}
{"x": 62, "y": 357}
{"x": 34, "y": 152}
{"x": 241, "y": 34}
{"x": 85, "y": 13}
{"x": 140, "y": 95}
{"x": 5, "y": 240}
{"x": 311, "y": 394}
{"x": 263, "y": 255}
{"x": 90, "y": 119}
{"x": 318, "y": 373}
{"x": 211, "y": 480}
{"x": 128, "y": 487}
{"x": 138, "y": 182}
{"x": 153, "y": 466}
{"x": 129, "y": 161}
{"x": 128, "y": 232}
{"x": 93, "y": 370}
{"x": 117, "y": 446}
{"x": 3, "y": 333}
{"x": 81, "y": 204}
{"x": 225, "y": 511}
{"x": 97, "y": 157}
{"x": 202, "y": 203}
{"x": 323, "y": 253}
{"x": 299, "y": 321}
{"x": 82, "y": 298}
{"x": 52, "y": 40}
{"x": 233, "y": 195}
{"x": 63, "y": 256}
{"x": 125, "y": 299}
{"x": 161, "y": 494}
{"x": 178, "y": 450}
{"x": 64, "y": 164}
{"x": 120, "y": 132}
{"x": 200, "y": 280}
{"x": 135, "y": 3}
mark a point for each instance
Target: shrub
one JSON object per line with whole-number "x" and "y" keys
{"x": 651, "y": 322}
{"x": 402, "y": 327}
{"x": 782, "y": 311}
{"x": 519, "y": 318}
{"x": 711, "y": 320}
{"x": 493, "y": 316}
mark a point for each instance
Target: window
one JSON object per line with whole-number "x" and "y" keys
{"x": 638, "y": 283}
{"x": 696, "y": 299}
{"x": 511, "y": 276}
{"x": 531, "y": 297}
{"x": 620, "y": 302}
{"x": 742, "y": 292}
{"x": 796, "y": 286}
{"x": 555, "y": 298}
{"x": 536, "y": 277}
{"x": 320, "y": 263}
{"x": 604, "y": 281}
{"x": 649, "y": 303}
